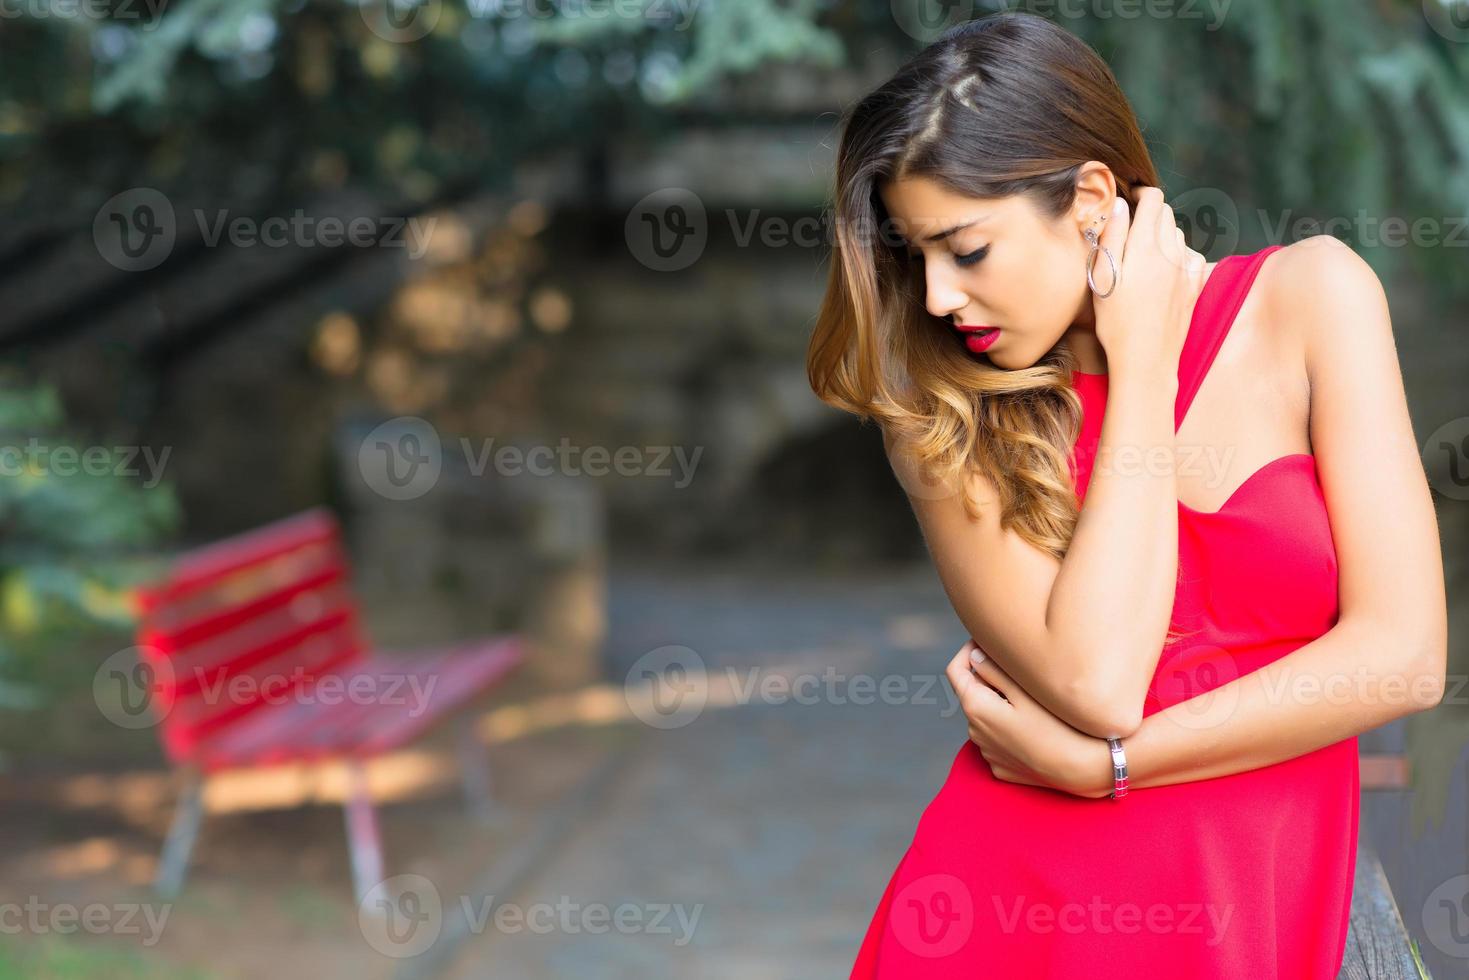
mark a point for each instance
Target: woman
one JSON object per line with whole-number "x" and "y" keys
{"x": 1011, "y": 299}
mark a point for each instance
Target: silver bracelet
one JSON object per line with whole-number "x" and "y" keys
{"x": 1119, "y": 768}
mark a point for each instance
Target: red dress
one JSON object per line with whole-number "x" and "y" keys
{"x": 1247, "y": 875}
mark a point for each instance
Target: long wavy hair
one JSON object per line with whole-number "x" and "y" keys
{"x": 1005, "y": 104}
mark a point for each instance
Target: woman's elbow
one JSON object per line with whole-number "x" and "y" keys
{"x": 1104, "y": 712}
{"x": 1119, "y": 723}
{"x": 1423, "y": 662}
{"x": 1430, "y": 678}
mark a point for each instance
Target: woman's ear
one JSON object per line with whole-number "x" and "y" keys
{"x": 1095, "y": 189}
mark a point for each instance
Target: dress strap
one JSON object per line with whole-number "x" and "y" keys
{"x": 1219, "y": 301}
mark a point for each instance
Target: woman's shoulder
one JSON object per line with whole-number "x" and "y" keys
{"x": 1307, "y": 283}
{"x": 1315, "y": 261}
{"x": 1326, "y": 304}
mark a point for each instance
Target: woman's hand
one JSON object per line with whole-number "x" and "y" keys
{"x": 1019, "y": 738}
{"x": 1144, "y": 321}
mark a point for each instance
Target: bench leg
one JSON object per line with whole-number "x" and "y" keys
{"x": 363, "y": 840}
{"x": 474, "y": 772}
{"x": 179, "y": 845}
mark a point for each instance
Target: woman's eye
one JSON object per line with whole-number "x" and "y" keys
{"x": 972, "y": 257}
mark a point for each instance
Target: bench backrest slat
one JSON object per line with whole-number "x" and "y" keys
{"x": 242, "y": 623}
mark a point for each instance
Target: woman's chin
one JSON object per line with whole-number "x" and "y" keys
{"x": 997, "y": 359}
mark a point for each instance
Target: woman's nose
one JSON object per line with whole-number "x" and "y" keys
{"x": 944, "y": 298}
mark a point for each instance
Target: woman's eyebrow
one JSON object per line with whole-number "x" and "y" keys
{"x": 939, "y": 236}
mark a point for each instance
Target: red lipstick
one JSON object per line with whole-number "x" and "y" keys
{"x": 978, "y": 336}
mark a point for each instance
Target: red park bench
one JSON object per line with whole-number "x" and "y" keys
{"x": 258, "y": 657}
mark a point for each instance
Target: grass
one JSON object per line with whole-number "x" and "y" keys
{"x": 62, "y": 958}
{"x": 1423, "y": 973}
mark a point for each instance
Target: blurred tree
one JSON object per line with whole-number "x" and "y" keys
{"x": 231, "y": 93}
{"x": 73, "y": 522}
{"x": 1342, "y": 111}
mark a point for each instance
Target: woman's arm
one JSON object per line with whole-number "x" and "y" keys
{"x": 1043, "y": 619}
{"x": 1384, "y": 658}
{"x": 1355, "y": 678}
{"x": 1348, "y": 681}
{"x": 1386, "y": 655}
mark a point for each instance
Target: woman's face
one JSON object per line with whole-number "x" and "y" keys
{"x": 1000, "y": 265}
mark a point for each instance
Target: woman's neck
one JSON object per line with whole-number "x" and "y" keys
{"x": 1082, "y": 342}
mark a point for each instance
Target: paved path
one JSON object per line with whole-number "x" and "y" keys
{"x": 772, "y": 825}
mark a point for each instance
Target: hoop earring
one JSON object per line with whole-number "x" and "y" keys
{"x": 1091, "y": 262}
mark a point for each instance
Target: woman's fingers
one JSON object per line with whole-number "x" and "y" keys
{"x": 1172, "y": 241}
{"x": 958, "y": 672}
{"x": 971, "y": 691}
{"x": 1114, "y": 239}
{"x": 994, "y": 675}
{"x": 1162, "y": 278}
{"x": 1167, "y": 236}
{"x": 1147, "y": 222}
